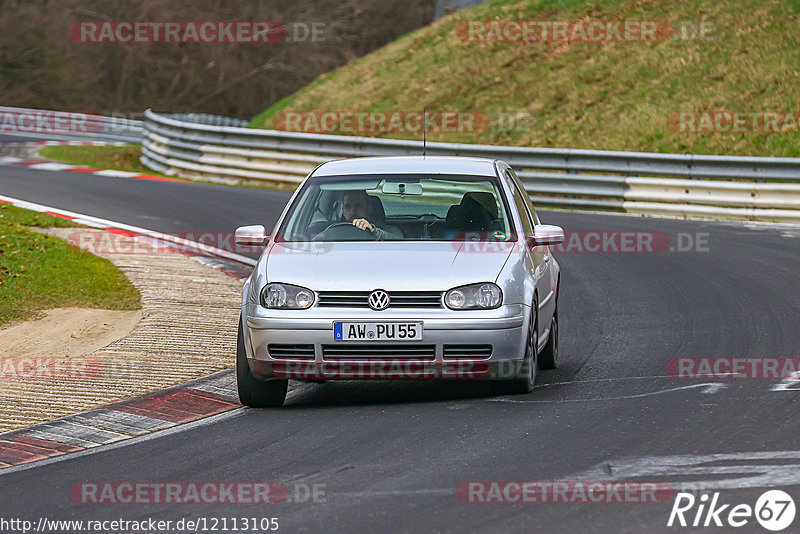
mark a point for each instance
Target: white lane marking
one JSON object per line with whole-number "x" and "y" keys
{"x": 713, "y": 388}
{"x": 709, "y": 388}
{"x": 614, "y": 379}
{"x": 51, "y": 166}
{"x": 25, "y": 204}
{"x": 764, "y": 469}
{"x": 116, "y": 174}
{"x": 789, "y": 380}
{"x": 105, "y": 223}
{"x": 89, "y": 223}
{"x": 9, "y": 159}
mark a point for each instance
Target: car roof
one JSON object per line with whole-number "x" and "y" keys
{"x": 408, "y": 165}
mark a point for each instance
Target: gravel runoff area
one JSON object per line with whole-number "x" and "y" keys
{"x": 187, "y": 330}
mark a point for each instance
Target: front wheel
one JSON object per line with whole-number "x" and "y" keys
{"x": 525, "y": 379}
{"x": 548, "y": 359}
{"x": 253, "y": 392}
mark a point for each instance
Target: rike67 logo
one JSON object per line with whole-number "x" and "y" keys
{"x": 774, "y": 510}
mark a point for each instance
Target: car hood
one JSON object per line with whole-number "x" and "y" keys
{"x": 394, "y": 266}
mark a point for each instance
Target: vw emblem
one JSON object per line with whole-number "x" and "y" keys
{"x": 378, "y": 300}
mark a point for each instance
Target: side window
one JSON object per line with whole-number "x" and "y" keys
{"x": 525, "y": 195}
{"x": 522, "y": 207}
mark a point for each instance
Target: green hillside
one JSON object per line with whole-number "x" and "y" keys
{"x": 611, "y": 95}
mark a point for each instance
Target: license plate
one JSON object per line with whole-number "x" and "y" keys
{"x": 377, "y": 331}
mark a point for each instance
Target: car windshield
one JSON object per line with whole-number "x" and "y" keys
{"x": 398, "y": 208}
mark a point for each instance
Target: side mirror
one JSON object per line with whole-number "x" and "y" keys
{"x": 547, "y": 234}
{"x": 251, "y": 235}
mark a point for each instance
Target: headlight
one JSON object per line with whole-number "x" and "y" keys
{"x": 474, "y": 297}
{"x": 286, "y": 297}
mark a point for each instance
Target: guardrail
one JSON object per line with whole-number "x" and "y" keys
{"x": 68, "y": 126}
{"x": 210, "y": 148}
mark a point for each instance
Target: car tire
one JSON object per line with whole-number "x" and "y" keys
{"x": 525, "y": 379}
{"x": 253, "y": 392}
{"x": 548, "y": 358}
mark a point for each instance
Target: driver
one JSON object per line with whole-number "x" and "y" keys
{"x": 358, "y": 206}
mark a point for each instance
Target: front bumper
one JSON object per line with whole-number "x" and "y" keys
{"x": 502, "y": 329}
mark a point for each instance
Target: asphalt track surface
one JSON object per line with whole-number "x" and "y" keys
{"x": 389, "y": 455}
{"x": 6, "y": 138}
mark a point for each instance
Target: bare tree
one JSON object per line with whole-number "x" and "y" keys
{"x": 40, "y": 66}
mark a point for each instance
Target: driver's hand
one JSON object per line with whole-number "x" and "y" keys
{"x": 363, "y": 224}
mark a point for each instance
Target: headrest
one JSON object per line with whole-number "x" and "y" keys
{"x": 483, "y": 199}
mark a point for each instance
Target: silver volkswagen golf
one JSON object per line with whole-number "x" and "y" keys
{"x": 408, "y": 267}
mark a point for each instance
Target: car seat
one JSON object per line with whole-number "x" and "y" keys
{"x": 469, "y": 216}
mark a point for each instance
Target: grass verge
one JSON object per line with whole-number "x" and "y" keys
{"x": 118, "y": 158}
{"x": 40, "y": 272}
{"x": 615, "y": 95}
{"x": 126, "y": 158}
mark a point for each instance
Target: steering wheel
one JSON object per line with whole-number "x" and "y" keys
{"x": 344, "y": 231}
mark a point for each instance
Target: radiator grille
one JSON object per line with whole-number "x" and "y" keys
{"x": 397, "y": 299}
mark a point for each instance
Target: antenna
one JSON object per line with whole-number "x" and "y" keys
{"x": 424, "y": 130}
